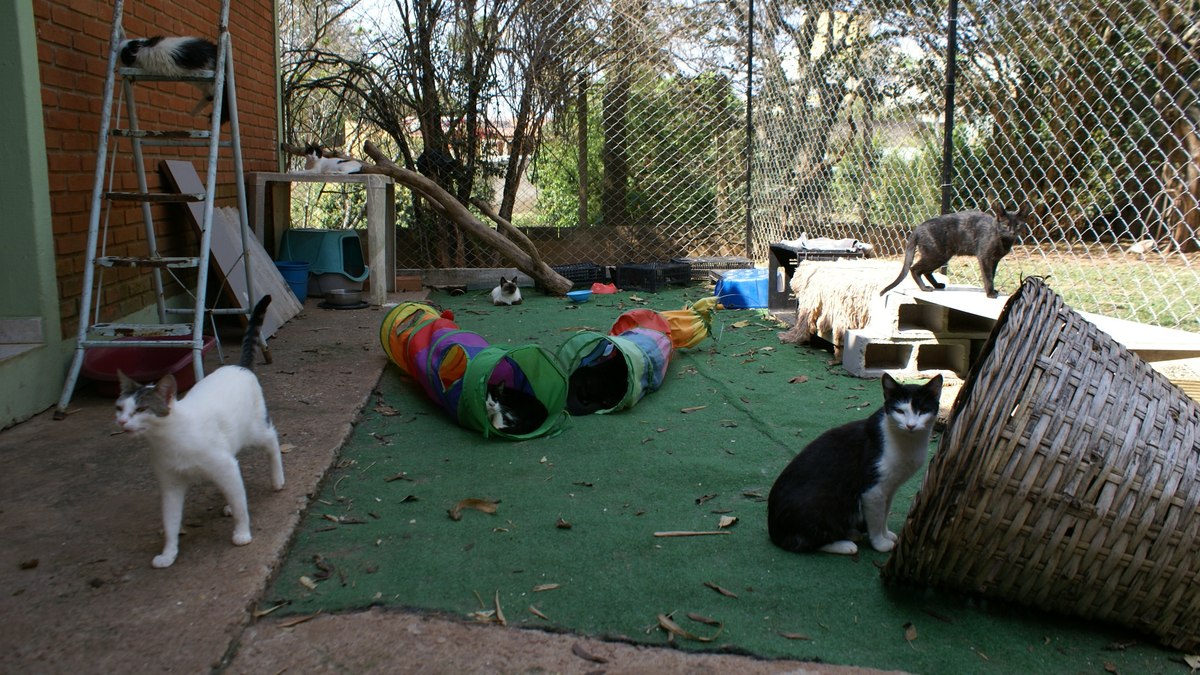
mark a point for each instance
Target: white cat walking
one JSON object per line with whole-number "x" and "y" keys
{"x": 199, "y": 436}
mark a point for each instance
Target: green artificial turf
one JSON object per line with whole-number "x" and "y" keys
{"x": 573, "y": 534}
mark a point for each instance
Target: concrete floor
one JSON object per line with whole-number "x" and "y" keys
{"x": 79, "y": 522}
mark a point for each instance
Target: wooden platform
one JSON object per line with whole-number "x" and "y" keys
{"x": 1152, "y": 343}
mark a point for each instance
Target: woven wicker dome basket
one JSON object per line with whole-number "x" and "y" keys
{"x": 1068, "y": 479}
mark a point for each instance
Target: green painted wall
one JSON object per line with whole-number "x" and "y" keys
{"x": 31, "y": 381}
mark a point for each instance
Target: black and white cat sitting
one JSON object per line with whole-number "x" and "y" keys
{"x": 847, "y": 477}
{"x": 315, "y": 161}
{"x": 176, "y": 57}
{"x": 199, "y": 436}
{"x": 514, "y": 411}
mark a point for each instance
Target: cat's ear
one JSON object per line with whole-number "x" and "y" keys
{"x": 998, "y": 209}
{"x": 128, "y": 385}
{"x": 890, "y": 384}
{"x": 166, "y": 388}
{"x": 934, "y": 385}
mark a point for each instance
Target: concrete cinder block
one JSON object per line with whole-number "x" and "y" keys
{"x": 902, "y": 315}
{"x": 869, "y": 355}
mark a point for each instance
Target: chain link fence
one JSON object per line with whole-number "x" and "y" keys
{"x": 1086, "y": 110}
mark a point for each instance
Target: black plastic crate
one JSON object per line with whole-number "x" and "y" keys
{"x": 582, "y": 275}
{"x": 651, "y": 276}
{"x": 782, "y": 261}
{"x": 703, "y": 266}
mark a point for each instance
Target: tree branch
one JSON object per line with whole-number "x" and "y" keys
{"x": 466, "y": 221}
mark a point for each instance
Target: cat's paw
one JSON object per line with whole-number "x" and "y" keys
{"x": 163, "y": 560}
{"x": 841, "y": 548}
{"x": 241, "y": 538}
{"x": 227, "y": 511}
{"x": 882, "y": 544}
{"x": 278, "y": 485}
{"x": 891, "y": 535}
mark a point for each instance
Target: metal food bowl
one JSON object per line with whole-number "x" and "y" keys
{"x": 342, "y": 297}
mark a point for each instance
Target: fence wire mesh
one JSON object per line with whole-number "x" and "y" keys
{"x": 1086, "y": 110}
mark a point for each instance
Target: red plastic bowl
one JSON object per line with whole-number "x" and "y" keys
{"x": 144, "y": 364}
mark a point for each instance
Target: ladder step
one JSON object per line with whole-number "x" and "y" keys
{"x": 155, "y": 197}
{"x": 139, "y": 74}
{"x": 190, "y": 311}
{"x": 165, "y": 133}
{"x": 151, "y": 261}
{"x": 182, "y": 142}
{"x": 137, "y": 330}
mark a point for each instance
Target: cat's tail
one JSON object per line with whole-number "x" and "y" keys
{"x": 250, "y": 340}
{"x": 910, "y": 251}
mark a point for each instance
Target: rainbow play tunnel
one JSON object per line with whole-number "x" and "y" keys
{"x": 609, "y": 373}
{"x": 458, "y": 368}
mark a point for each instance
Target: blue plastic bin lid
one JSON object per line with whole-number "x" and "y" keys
{"x": 743, "y": 289}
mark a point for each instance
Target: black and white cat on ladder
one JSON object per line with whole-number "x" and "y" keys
{"x": 176, "y": 57}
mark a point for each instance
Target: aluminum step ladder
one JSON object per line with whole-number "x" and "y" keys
{"x": 93, "y": 333}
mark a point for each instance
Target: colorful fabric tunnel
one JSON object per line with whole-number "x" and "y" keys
{"x": 608, "y": 373}
{"x": 459, "y": 370}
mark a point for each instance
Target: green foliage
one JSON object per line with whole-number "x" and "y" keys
{"x": 329, "y": 206}
{"x": 683, "y": 149}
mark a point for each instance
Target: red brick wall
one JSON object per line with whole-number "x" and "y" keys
{"x": 72, "y": 50}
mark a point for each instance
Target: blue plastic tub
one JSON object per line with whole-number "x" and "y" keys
{"x": 295, "y": 273}
{"x": 743, "y": 289}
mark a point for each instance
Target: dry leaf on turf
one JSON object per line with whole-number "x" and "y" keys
{"x": 739, "y": 324}
{"x": 578, "y": 650}
{"x": 285, "y": 448}
{"x": 545, "y": 587}
{"x": 689, "y": 533}
{"x": 1110, "y": 667}
{"x": 794, "y": 636}
{"x": 260, "y": 613}
{"x": 1192, "y": 660}
{"x": 499, "y": 612}
{"x": 700, "y": 618}
{"x": 692, "y": 409}
{"x": 675, "y": 629}
{"x": 722, "y": 591}
{"x": 562, "y": 524}
{"x": 308, "y": 583}
{"x": 483, "y": 505}
{"x": 799, "y": 379}
{"x": 484, "y": 615}
{"x": 400, "y": 476}
{"x": 910, "y": 632}
{"x": 386, "y": 410}
{"x": 726, "y": 521}
{"x": 538, "y": 613}
{"x": 703, "y": 498}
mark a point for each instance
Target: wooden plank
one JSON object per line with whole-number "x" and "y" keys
{"x": 227, "y": 254}
{"x": 1152, "y": 343}
{"x": 473, "y": 278}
